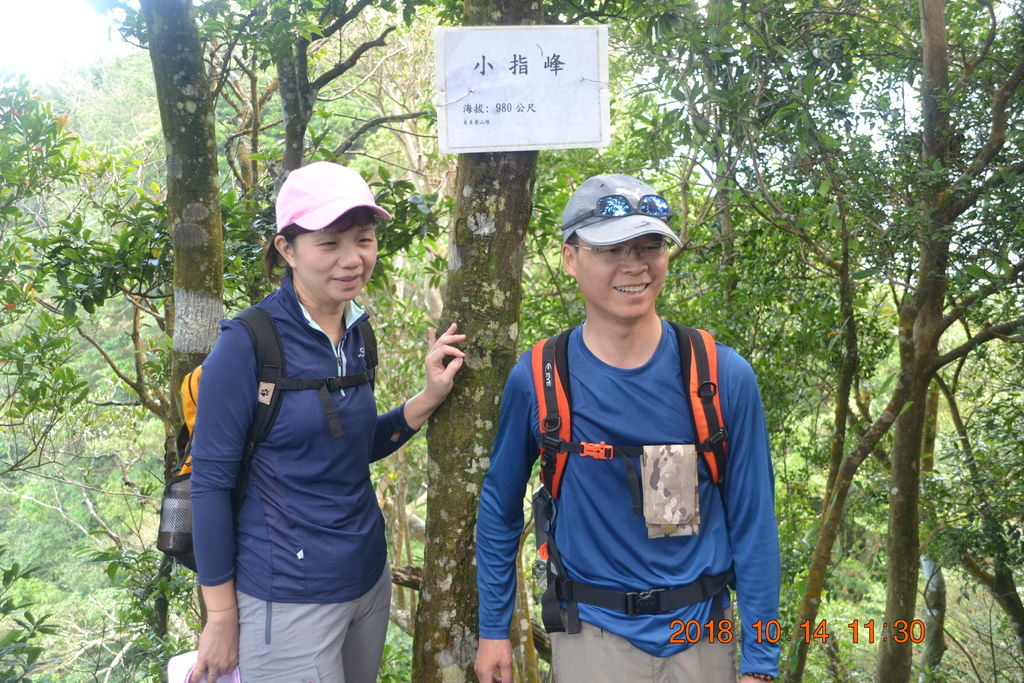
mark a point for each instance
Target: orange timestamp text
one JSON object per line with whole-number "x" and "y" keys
{"x": 723, "y": 631}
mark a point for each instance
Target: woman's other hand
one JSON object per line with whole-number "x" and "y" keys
{"x": 440, "y": 376}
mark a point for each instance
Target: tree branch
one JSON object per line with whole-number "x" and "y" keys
{"x": 373, "y": 123}
{"x": 987, "y": 290}
{"x": 140, "y": 303}
{"x": 231, "y": 47}
{"x": 997, "y": 132}
{"x": 341, "y": 67}
{"x": 985, "y": 335}
{"x": 997, "y": 178}
{"x": 343, "y": 19}
{"x": 989, "y": 39}
{"x": 134, "y": 385}
{"x": 118, "y": 541}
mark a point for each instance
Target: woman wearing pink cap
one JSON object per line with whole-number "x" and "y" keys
{"x": 295, "y": 576}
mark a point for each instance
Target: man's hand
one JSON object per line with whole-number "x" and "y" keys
{"x": 494, "y": 660}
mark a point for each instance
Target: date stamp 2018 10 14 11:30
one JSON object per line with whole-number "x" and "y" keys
{"x": 723, "y": 631}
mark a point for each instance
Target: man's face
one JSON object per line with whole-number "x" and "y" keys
{"x": 619, "y": 287}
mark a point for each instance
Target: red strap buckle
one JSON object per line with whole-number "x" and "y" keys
{"x": 600, "y": 450}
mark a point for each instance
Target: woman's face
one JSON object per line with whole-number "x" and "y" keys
{"x": 330, "y": 267}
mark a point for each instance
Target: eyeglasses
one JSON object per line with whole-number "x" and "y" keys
{"x": 618, "y": 205}
{"x": 621, "y": 252}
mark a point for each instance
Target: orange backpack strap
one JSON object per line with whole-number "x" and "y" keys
{"x": 551, "y": 384}
{"x": 699, "y": 362}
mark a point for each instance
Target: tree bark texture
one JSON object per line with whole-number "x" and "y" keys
{"x": 193, "y": 202}
{"x": 297, "y": 99}
{"x": 919, "y": 332}
{"x": 494, "y": 201}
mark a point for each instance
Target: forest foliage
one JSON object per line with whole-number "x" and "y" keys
{"x": 847, "y": 181}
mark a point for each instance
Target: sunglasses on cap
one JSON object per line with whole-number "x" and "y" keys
{"x": 618, "y": 205}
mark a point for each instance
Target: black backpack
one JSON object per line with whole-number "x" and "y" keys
{"x": 175, "y": 535}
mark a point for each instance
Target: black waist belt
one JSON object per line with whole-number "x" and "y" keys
{"x": 652, "y": 601}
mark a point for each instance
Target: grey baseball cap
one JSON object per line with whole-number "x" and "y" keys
{"x": 581, "y": 216}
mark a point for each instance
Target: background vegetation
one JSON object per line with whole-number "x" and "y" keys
{"x": 848, "y": 180}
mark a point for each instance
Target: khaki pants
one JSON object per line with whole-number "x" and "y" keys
{"x": 597, "y": 656}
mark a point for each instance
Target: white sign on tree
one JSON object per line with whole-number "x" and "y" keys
{"x": 502, "y": 88}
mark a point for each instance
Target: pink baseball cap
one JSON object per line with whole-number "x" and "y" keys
{"x": 316, "y": 195}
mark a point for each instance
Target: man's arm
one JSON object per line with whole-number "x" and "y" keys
{"x": 500, "y": 515}
{"x": 750, "y": 504}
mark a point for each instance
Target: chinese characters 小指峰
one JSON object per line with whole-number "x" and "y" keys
{"x": 519, "y": 65}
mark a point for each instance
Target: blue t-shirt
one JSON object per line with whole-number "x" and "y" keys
{"x": 309, "y": 528}
{"x": 601, "y": 540}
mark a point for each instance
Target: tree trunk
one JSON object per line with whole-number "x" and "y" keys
{"x": 297, "y": 99}
{"x": 193, "y": 204}
{"x": 522, "y": 637}
{"x": 894, "y": 659}
{"x": 494, "y": 194}
{"x": 484, "y": 276}
{"x": 931, "y": 428}
{"x": 935, "y": 619}
{"x": 919, "y": 331}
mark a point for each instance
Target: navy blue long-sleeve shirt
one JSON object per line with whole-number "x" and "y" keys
{"x": 309, "y": 528}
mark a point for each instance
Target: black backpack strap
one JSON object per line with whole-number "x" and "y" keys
{"x": 370, "y": 349}
{"x": 269, "y": 369}
{"x": 272, "y": 381}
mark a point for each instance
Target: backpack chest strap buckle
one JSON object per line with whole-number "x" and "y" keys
{"x": 599, "y": 450}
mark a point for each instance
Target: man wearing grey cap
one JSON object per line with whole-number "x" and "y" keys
{"x": 649, "y": 548}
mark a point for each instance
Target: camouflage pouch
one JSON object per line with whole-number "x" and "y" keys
{"x": 671, "y": 502}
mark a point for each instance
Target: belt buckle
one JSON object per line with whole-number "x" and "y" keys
{"x": 644, "y": 602}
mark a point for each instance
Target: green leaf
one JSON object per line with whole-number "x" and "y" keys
{"x": 979, "y": 273}
{"x": 866, "y": 273}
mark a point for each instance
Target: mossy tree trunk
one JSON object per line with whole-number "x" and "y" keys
{"x": 920, "y": 327}
{"x": 484, "y": 292}
{"x": 494, "y": 201}
{"x": 193, "y": 206}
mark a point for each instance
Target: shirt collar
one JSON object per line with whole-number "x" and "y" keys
{"x": 353, "y": 312}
